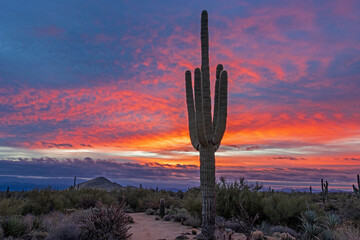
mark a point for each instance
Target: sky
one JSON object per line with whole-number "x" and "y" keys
{"x": 91, "y": 88}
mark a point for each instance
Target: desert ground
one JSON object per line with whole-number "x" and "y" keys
{"x": 146, "y": 227}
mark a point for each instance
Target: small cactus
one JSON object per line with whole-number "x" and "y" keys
{"x": 324, "y": 190}
{"x": 310, "y": 190}
{"x": 162, "y": 208}
{"x": 357, "y": 189}
{"x": 74, "y": 182}
{"x": 7, "y": 190}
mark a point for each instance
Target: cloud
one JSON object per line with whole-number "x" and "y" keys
{"x": 289, "y": 158}
{"x": 54, "y": 145}
{"x": 105, "y": 82}
{"x": 179, "y": 175}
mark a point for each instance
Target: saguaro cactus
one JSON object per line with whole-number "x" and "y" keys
{"x": 357, "y": 189}
{"x": 74, "y": 182}
{"x": 324, "y": 190}
{"x": 162, "y": 208}
{"x": 206, "y": 132}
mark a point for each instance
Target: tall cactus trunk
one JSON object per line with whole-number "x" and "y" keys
{"x": 207, "y": 185}
{"x": 206, "y": 132}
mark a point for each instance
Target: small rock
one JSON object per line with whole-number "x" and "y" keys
{"x": 167, "y": 218}
{"x": 181, "y": 237}
{"x": 193, "y": 232}
{"x": 200, "y": 236}
{"x": 157, "y": 218}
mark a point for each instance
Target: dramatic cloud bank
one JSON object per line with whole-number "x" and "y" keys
{"x": 84, "y": 79}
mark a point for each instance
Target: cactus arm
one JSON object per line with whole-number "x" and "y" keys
{"x": 191, "y": 110}
{"x": 219, "y": 68}
{"x": 322, "y": 187}
{"x": 221, "y": 123}
{"x": 200, "y": 129}
{"x": 355, "y": 189}
{"x": 205, "y": 75}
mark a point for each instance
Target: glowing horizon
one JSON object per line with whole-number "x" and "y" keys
{"x": 106, "y": 81}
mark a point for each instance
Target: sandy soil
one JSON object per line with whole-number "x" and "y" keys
{"x": 146, "y": 228}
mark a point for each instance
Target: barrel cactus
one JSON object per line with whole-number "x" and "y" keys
{"x": 206, "y": 131}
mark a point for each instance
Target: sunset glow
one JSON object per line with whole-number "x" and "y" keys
{"x": 98, "y": 89}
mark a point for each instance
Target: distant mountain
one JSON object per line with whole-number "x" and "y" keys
{"x": 101, "y": 183}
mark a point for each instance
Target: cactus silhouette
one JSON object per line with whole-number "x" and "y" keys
{"x": 162, "y": 207}
{"x": 324, "y": 190}
{"x": 357, "y": 189}
{"x": 206, "y": 132}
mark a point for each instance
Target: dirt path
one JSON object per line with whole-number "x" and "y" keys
{"x": 146, "y": 228}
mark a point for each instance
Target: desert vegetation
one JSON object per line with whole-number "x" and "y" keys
{"x": 241, "y": 207}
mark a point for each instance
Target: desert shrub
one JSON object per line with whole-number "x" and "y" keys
{"x": 88, "y": 202}
{"x": 315, "y": 227}
{"x": 192, "y": 221}
{"x": 105, "y": 222}
{"x": 348, "y": 207}
{"x": 140, "y": 199}
{"x": 311, "y": 231}
{"x": 38, "y": 235}
{"x": 347, "y": 231}
{"x": 13, "y": 227}
{"x": 234, "y": 225}
{"x": 86, "y": 198}
{"x": 331, "y": 221}
{"x": 43, "y": 201}
{"x": 150, "y": 211}
{"x": 10, "y": 206}
{"x": 228, "y": 197}
{"x": 310, "y": 224}
{"x": 33, "y": 223}
{"x": 192, "y": 203}
{"x": 326, "y": 234}
{"x": 246, "y": 222}
{"x": 66, "y": 229}
{"x": 181, "y": 215}
{"x": 283, "y": 208}
{"x": 277, "y": 208}
{"x": 51, "y": 219}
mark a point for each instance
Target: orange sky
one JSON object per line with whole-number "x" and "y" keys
{"x": 110, "y": 86}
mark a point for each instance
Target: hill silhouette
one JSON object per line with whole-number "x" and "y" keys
{"x": 101, "y": 183}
